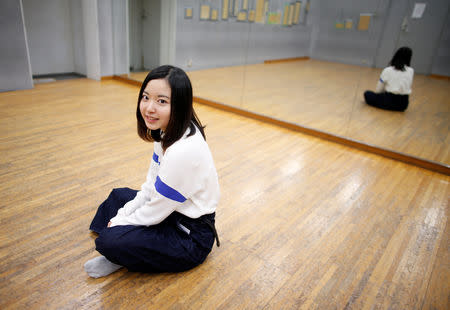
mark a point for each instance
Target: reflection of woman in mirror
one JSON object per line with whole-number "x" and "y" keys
{"x": 394, "y": 85}
{"x": 167, "y": 226}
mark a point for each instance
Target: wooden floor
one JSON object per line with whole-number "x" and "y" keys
{"x": 329, "y": 97}
{"x": 304, "y": 224}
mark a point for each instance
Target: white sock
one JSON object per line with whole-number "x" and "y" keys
{"x": 99, "y": 267}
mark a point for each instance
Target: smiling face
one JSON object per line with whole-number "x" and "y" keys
{"x": 155, "y": 104}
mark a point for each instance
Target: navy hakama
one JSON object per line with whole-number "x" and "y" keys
{"x": 176, "y": 244}
{"x": 387, "y": 101}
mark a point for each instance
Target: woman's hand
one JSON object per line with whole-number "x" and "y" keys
{"x": 109, "y": 224}
{"x": 380, "y": 86}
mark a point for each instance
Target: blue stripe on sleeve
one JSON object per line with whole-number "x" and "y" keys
{"x": 156, "y": 158}
{"x": 168, "y": 191}
{"x": 381, "y": 80}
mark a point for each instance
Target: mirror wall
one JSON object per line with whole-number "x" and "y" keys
{"x": 307, "y": 62}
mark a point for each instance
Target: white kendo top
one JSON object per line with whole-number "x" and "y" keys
{"x": 396, "y": 81}
{"x": 182, "y": 179}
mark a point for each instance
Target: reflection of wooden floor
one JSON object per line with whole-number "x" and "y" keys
{"x": 329, "y": 97}
{"x": 304, "y": 223}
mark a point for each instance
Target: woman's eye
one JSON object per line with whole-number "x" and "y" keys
{"x": 145, "y": 97}
{"x": 162, "y": 101}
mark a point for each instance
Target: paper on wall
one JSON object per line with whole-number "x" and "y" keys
{"x": 419, "y": 8}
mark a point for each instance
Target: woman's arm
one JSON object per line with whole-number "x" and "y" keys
{"x": 380, "y": 86}
{"x": 144, "y": 194}
{"x": 384, "y": 78}
{"x": 151, "y": 213}
{"x": 177, "y": 180}
{"x": 141, "y": 197}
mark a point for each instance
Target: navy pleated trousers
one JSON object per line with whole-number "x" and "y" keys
{"x": 177, "y": 244}
{"x": 387, "y": 101}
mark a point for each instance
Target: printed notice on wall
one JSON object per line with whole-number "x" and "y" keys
{"x": 242, "y": 16}
{"x": 364, "y": 22}
{"x": 225, "y": 9}
{"x": 348, "y": 24}
{"x": 214, "y": 14}
{"x": 419, "y": 8}
{"x": 187, "y": 13}
{"x": 298, "y": 7}
{"x": 259, "y": 14}
{"x": 251, "y": 16}
{"x": 205, "y": 12}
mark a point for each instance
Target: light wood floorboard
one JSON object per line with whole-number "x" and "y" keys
{"x": 304, "y": 223}
{"x": 328, "y": 96}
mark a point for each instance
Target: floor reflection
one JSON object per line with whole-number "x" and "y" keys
{"x": 329, "y": 97}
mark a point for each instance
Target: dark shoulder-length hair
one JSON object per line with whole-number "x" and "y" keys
{"x": 401, "y": 58}
{"x": 182, "y": 114}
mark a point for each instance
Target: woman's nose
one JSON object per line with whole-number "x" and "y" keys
{"x": 150, "y": 107}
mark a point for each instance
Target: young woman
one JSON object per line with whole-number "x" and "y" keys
{"x": 394, "y": 86}
{"x": 167, "y": 226}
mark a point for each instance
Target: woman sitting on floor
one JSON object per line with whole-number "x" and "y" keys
{"x": 167, "y": 226}
{"x": 394, "y": 85}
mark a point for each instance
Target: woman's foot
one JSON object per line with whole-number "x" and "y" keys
{"x": 100, "y": 267}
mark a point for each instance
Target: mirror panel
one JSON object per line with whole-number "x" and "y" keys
{"x": 304, "y": 62}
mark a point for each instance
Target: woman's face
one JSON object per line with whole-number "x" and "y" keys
{"x": 155, "y": 104}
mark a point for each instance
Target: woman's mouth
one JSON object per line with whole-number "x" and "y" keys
{"x": 151, "y": 119}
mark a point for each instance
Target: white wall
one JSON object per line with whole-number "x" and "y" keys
{"x": 349, "y": 46}
{"x": 223, "y": 43}
{"x": 168, "y": 24}
{"x": 105, "y": 30}
{"x": 120, "y": 36}
{"x": 135, "y": 24}
{"x": 89, "y": 37}
{"x": 15, "y": 69}
{"x": 441, "y": 62}
{"x": 78, "y": 37}
{"x": 152, "y": 33}
{"x": 49, "y": 32}
{"x": 151, "y": 27}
